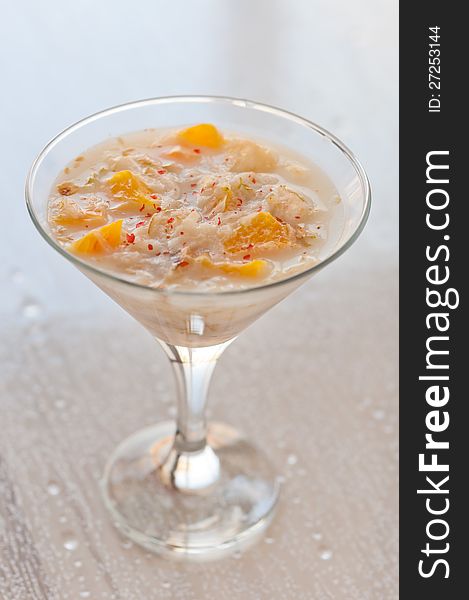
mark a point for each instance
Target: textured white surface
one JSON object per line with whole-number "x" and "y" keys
{"x": 314, "y": 380}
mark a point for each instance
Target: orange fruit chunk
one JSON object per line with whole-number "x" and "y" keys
{"x": 262, "y": 230}
{"x": 74, "y": 220}
{"x": 205, "y": 134}
{"x": 253, "y": 268}
{"x": 99, "y": 241}
{"x": 71, "y": 214}
{"x": 128, "y": 187}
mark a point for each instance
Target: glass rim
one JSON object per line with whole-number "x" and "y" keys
{"x": 241, "y": 102}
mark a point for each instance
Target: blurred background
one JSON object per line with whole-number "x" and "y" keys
{"x": 322, "y": 400}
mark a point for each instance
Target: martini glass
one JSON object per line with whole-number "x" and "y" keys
{"x": 189, "y": 489}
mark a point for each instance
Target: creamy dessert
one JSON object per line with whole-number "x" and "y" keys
{"x": 193, "y": 208}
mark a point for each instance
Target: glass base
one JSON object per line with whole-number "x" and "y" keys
{"x": 204, "y": 508}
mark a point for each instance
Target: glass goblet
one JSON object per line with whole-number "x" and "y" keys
{"x": 186, "y": 488}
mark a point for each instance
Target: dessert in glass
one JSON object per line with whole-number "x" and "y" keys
{"x": 195, "y": 214}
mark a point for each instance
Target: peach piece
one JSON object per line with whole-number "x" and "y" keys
{"x": 253, "y": 268}
{"x": 205, "y": 135}
{"x": 67, "y": 212}
{"x": 261, "y": 230}
{"x": 99, "y": 241}
{"x": 131, "y": 190}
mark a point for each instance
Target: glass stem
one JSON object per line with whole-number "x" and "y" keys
{"x": 191, "y": 465}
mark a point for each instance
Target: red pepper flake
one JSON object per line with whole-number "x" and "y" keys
{"x": 253, "y": 180}
{"x": 158, "y": 209}
{"x": 219, "y": 221}
{"x": 150, "y": 246}
{"x": 166, "y": 252}
{"x": 183, "y": 263}
{"x": 197, "y": 150}
{"x": 161, "y": 172}
{"x": 193, "y": 184}
{"x": 250, "y": 246}
{"x": 154, "y": 196}
{"x": 181, "y": 233}
{"x": 170, "y": 220}
{"x": 142, "y": 207}
{"x": 130, "y": 238}
{"x": 247, "y": 257}
{"x": 157, "y": 253}
{"x": 259, "y": 210}
{"x": 297, "y": 217}
{"x": 139, "y": 224}
{"x": 239, "y": 202}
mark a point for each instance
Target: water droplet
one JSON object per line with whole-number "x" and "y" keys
{"x": 31, "y": 309}
{"x": 166, "y": 585}
{"x": 85, "y": 594}
{"x": 81, "y": 578}
{"x": 378, "y": 414}
{"x": 292, "y": 459}
{"x": 325, "y": 554}
{"x": 62, "y": 519}
{"x": 281, "y": 479}
{"x": 269, "y": 540}
{"x": 316, "y": 535}
{"x": 126, "y": 544}
{"x": 17, "y": 276}
{"x": 296, "y": 500}
{"x": 364, "y": 403}
{"x": 77, "y": 564}
{"x": 53, "y": 488}
{"x": 59, "y": 404}
{"x": 70, "y": 543}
